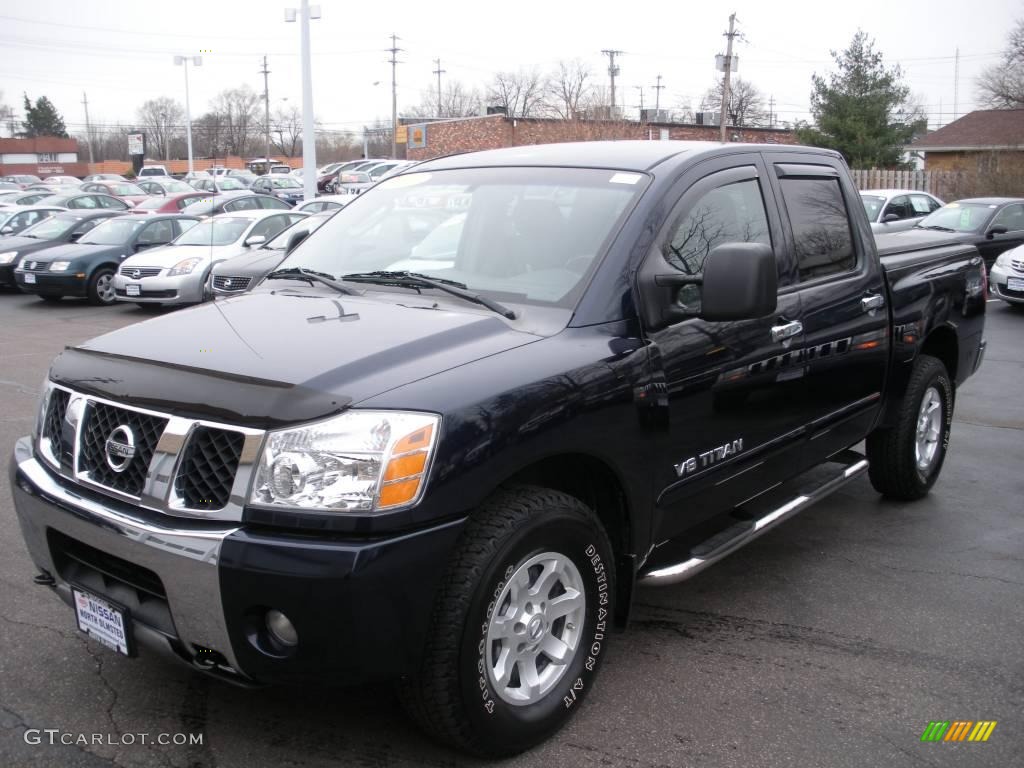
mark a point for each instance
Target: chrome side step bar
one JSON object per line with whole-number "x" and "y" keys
{"x": 743, "y": 533}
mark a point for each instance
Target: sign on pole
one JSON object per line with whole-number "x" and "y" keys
{"x": 136, "y": 144}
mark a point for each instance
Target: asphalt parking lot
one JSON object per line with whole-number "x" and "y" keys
{"x": 832, "y": 641}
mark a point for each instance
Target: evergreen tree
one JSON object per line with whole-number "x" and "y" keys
{"x": 43, "y": 119}
{"x": 862, "y": 109}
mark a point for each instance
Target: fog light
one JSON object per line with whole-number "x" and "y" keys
{"x": 281, "y": 628}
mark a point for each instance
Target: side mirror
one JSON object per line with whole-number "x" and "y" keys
{"x": 890, "y": 217}
{"x": 255, "y": 240}
{"x": 997, "y": 230}
{"x": 294, "y": 239}
{"x": 740, "y": 282}
{"x": 6, "y": 231}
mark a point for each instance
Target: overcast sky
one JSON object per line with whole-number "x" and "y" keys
{"x": 120, "y": 52}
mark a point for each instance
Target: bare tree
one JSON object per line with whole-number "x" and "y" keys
{"x": 520, "y": 93}
{"x": 238, "y": 111}
{"x": 567, "y": 89}
{"x": 457, "y": 100}
{"x": 162, "y": 119}
{"x": 1001, "y": 86}
{"x": 286, "y": 131}
{"x": 746, "y": 103}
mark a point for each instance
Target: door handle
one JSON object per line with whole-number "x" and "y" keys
{"x": 787, "y": 330}
{"x": 869, "y": 303}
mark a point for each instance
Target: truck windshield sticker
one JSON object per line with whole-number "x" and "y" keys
{"x": 410, "y": 180}
{"x": 625, "y": 178}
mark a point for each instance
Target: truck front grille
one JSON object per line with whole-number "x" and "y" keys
{"x": 54, "y": 424}
{"x": 208, "y": 468}
{"x": 101, "y": 420}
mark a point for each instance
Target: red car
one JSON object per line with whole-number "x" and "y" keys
{"x": 170, "y": 203}
{"x": 130, "y": 193}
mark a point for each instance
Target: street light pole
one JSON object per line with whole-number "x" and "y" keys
{"x": 306, "y": 12}
{"x": 198, "y": 62}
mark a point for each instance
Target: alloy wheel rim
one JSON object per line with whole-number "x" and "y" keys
{"x": 929, "y": 427}
{"x": 535, "y": 628}
{"x": 105, "y": 288}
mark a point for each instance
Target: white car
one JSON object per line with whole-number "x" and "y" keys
{"x": 1006, "y": 278}
{"x": 153, "y": 170}
{"x": 893, "y": 210}
{"x": 177, "y": 273}
{"x": 324, "y": 203}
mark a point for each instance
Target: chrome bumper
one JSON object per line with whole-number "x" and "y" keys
{"x": 185, "y": 558}
{"x": 188, "y": 289}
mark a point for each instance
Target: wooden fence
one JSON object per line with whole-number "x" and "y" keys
{"x": 947, "y": 185}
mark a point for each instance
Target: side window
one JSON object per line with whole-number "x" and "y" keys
{"x": 245, "y": 204}
{"x": 272, "y": 202}
{"x": 157, "y": 232}
{"x": 821, "y": 226}
{"x": 1011, "y": 217}
{"x": 89, "y": 201}
{"x": 84, "y": 227}
{"x": 270, "y": 226}
{"x": 922, "y": 205}
{"x": 898, "y": 206}
{"x": 184, "y": 225}
{"x": 294, "y": 218}
{"x": 733, "y": 213}
{"x": 187, "y": 201}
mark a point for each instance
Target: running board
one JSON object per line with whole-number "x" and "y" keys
{"x": 743, "y": 532}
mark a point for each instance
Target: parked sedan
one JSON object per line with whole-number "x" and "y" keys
{"x": 170, "y": 203}
{"x": 23, "y": 180}
{"x": 25, "y": 197}
{"x": 58, "y": 229}
{"x": 194, "y": 176}
{"x": 105, "y": 177}
{"x": 283, "y": 187}
{"x": 220, "y": 184}
{"x": 17, "y": 219}
{"x": 161, "y": 187}
{"x": 63, "y": 181}
{"x": 993, "y": 224}
{"x": 327, "y": 180}
{"x": 233, "y": 202}
{"x": 324, "y": 203}
{"x": 352, "y": 182}
{"x": 177, "y": 274}
{"x": 893, "y": 210}
{"x": 87, "y": 268}
{"x": 125, "y": 190}
{"x": 238, "y": 274}
{"x": 86, "y": 200}
{"x": 1006, "y": 278}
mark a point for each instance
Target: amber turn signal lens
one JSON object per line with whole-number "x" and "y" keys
{"x": 413, "y": 441}
{"x": 399, "y": 493}
{"x": 405, "y": 466}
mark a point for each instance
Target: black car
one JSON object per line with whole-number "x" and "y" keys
{"x": 281, "y": 186}
{"x": 15, "y": 220}
{"x": 231, "y": 203}
{"x": 58, "y": 229}
{"x": 87, "y": 268}
{"x": 86, "y": 201}
{"x": 992, "y": 224}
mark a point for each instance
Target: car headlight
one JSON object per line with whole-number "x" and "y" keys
{"x": 59, "y": 266}
{"x": 7, "y": 258}
{"x": 360, "y": 461}
{"x": 184, "y": 267}
{"x": 1002, "y": 261}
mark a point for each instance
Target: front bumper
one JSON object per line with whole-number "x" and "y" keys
{"x": 997, "y": 284}
{"x": 7, "y": 274}
{"x": 181, "y": 289}
{"x": 361, "y": 607}
{"x": 53, "y": 283}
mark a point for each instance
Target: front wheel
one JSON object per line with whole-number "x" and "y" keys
{"x": 520, "y": 625}
{"x": 101, "y": 287}
{"x": 905, "y": 460}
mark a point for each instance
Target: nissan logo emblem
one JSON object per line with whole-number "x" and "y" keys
{"x": 120, "y": 448}
{"x": 136, "y": 274}
{"x": 227, "y": 283}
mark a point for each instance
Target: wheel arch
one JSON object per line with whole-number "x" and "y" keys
{"x": 942, "y": 343}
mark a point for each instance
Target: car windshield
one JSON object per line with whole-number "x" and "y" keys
{"x": 530, "y": 234}
{"x": 228, "y": 183}
{"x": 113, "y": 232}
{"x": 872, "y": 204}
{"x": 175, "y": 186}
{"x": 961, "y": 217}
{"x": 310, "y": 224}
{"x": 51, "y": 228}
{"x": 285, "y": 182}
{"x": 126, "y": 189}
{"x": 214, "y": 232}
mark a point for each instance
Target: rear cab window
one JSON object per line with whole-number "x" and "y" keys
{"x": 822, "y": 239}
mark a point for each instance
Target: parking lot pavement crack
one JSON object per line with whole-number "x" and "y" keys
{"x": 986, "y": 424}
{"x": 33, "y": 625}
{"x": 25, "y": 726}
{"x": 901, "y": 569}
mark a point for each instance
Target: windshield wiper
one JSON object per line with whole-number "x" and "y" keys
{"x": 312, "y": 276}
{"x": 936, "y": 227}
{"x": 417, "y": 280}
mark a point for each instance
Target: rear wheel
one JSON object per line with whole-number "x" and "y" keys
{"x": 101, "y": 287}
{"x": 519, "y": 627}
{"x": 905, "y": 460}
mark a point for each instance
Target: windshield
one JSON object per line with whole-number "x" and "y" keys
{"x": 126, "y": 189}
{"x": 214, "y": 232}
{"x": 285, "y": 182}
{"x": 113, "y": 232}
{"x": 176, "y": 186}
{"x": 873, "y": 205}
{"x": 962, "y": 217}
{"x": 228, "y": 183}
{"x": 528, "y": 234}
{"x": 52, "y": 227}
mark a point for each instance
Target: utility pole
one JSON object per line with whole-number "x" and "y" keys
{"x": 439, "y": 72}
{"x": 657, "y": 97}
{"x": 771, "y": 111}
{"x": 641, "y": 89}
{"x": 394, "y": 49}
{"x": 266, "y": 108}
{"x": 726, "y": 82}
{"x": 88, "y": 128}
{"x": 366, "y": 143}
{"x": 613, "y": 71}
{"x": 956, "y": 84}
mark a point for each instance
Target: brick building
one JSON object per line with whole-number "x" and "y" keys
{"x": 495, "y": 131}
{"x": 42, "y": 157}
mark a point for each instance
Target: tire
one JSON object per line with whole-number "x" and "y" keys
{"x": 898, "y": 467}
{"x": 454, "y": 696}
{"x": 100, "y": 291}
{"x": 50, "y": 299}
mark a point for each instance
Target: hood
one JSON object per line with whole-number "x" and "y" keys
{"x": 26, "y": 244}
{"x": 72, "y": 251}
{"x": 253, "y": 263}
{"x": 916, "y": 239}
{"x": 275, "y": 358}
{"x": 169, "y": 255}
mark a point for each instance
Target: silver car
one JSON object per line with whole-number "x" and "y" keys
{"x": 177, "y": 273}
{"x": 1006, "y": 278}
{"x": 893, "y": 210}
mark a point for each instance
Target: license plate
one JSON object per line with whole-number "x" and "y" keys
{"x": 1015, "y": 283}
{"x": 103, "y": 621}
{"x": 132, "y": 290}
{"x": 30, "y": 278}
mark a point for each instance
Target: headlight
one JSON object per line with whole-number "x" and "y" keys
{"x": 59, "y": 266}
{"x": 184, "y": 267}
{"x": 1002, "y": 261}
{"x": 361, "y": 461}
{"x": 7, "y": 258}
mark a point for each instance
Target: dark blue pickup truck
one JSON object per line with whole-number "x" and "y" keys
{"x": 451, "y": 466}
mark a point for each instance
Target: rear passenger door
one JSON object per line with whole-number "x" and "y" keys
{"x": 843, "y": 301}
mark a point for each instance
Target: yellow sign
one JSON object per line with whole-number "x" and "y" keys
{"x": 402, "y": 134}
